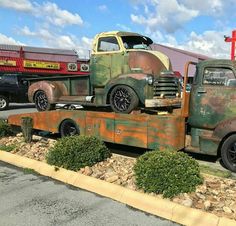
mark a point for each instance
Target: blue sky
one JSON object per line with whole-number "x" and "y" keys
{"x": 197, "y": 25}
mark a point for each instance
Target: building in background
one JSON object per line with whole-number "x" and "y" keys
{"x": 179, "y": 57}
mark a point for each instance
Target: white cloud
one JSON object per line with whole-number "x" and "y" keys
{"x": 26, "y": 31}
{"x": 58, "y": 16}
{"x": 55, "y": 40}
{"x": 9, "y": 40}
{"x": 206, "y": 7}
{"x": 103, "y": 8}
{"x": 209, "y": 43}
{"x": 48, "y": 11}
{"x": 170, "y": 15}
{"x": 19, "y": 5}
{"x": 123, "y": 27}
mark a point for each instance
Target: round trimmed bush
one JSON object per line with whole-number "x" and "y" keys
{"x": 75, "y": 152}
{"x": 167, "y": 172}
{"x": 5, "y": 129}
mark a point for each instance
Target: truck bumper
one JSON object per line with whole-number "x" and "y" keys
{"x": 162, "y": 102}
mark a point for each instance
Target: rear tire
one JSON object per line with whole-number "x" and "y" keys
{"x": 69, "y": 128}
{"x": 42, "y": 102}
{"x": 123, "y": 99}
{"x": 228, "y": 153}
{"x": 4, "y": 103}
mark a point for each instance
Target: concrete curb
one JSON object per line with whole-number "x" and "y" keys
{"x": 153, "y": 205}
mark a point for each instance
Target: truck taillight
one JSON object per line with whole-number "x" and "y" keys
{"x": 84, "y": 67}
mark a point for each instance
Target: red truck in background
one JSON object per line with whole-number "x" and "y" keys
{"x": 19, "y": 65}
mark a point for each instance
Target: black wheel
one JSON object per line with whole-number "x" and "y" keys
{"x": 4, "y": 103}
{"x": 69, "y": 128}
{"x": 123, "y": 99}
{"x": 228, "y": 153}
{"x": 41, "y": 101}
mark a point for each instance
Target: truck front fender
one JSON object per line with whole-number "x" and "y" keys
{"x": 136, "y": 81}
{"x": 53, "y": 89}
{"x": 225, "y": 128}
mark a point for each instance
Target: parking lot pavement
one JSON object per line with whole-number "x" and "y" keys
{"x": 30, "y": 200}
{"x": 15, "y": 108}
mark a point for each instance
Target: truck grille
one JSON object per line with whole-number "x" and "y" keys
{"x": 166, "y": 87}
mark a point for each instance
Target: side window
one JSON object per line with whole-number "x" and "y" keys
{"x": 218, "y": 76}
{"x": 9, "y": 79}
{"x": 108, "y": 44}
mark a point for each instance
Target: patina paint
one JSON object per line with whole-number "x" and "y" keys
{"x": 141, "y": 130}
{"x": 211, "y": 104}
{"x": 166, "y": 132}
{"x": 109, "y": 66}
{"x": 147, "y": 62}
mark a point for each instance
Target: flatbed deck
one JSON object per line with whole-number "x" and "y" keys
{"x": 139, "y": 130}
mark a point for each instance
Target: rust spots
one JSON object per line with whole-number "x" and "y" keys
{"x": 142, "y": 130}
{"x": 149, "y": 63}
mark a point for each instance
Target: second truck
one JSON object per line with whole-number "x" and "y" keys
{"x": 125, "y": 74}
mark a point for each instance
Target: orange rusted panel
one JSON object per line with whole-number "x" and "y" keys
{"x": 140, "y": 130}
{"x": 100, "y": 124}
{"x": 166, "y": 132}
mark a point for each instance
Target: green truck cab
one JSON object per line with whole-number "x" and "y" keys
{"x": 211, "y": 114}
{"x": 125, "y": 74}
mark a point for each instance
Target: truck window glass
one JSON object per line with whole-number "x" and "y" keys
{"x": 9, "y": 79}
{"x": 136, "y": 42}
{"x": 107, "y": 44}
{"x": 217, "y": 76}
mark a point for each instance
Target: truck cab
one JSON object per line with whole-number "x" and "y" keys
{"x": 212, "y": 111}
{"x": 125, "y": 74}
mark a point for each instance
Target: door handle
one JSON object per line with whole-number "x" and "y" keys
{"x": 201, "y": 91}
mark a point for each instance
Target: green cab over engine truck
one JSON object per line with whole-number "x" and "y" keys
{"x": 124, "y": 74}
{"x": 205, "y": 123}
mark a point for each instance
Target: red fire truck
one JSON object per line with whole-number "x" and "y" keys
{"x": 20, "y": 65}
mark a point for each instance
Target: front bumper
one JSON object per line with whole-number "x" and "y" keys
{"x": 162, "y": 102}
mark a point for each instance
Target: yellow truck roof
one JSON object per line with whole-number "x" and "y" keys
{"x": 120, "y": 33}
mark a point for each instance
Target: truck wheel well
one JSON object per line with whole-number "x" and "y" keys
{"x": 68, "y": 127}
{"x": 222, "y": 141}
{"x": 5, "y": 94}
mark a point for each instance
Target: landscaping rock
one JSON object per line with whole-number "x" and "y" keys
{"x": 87, "y": 171}
{"x": 207, "y": 205}
{"x": 187, "y": 202}
{"x": 216, "y": 195}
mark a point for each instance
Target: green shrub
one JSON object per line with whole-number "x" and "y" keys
{"x": 76, "y": 152}
{"x": 167, "y": 172}
{"x": 7, "y": 148}
{"x": 5, "y": 129}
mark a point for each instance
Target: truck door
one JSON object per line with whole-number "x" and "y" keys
{"x": 101, "y": 60}
{"x": 213, "y": 97}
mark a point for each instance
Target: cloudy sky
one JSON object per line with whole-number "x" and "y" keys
{"x": 193, "y": 25}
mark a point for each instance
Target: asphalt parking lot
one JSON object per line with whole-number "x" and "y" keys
{"x": 31, "y": 200}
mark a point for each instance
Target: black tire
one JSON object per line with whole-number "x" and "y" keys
{"x": 41, "y": 101}
{"x": 69, "y": 128}
{"x": 4, "y": 103}
{"x": 123, "y": 99}
{"x": 228, "y": 153}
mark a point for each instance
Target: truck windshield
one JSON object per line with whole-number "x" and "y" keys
{"x": 136, "y": 42}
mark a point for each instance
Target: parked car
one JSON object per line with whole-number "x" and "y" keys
{"x": 13, "y": 88}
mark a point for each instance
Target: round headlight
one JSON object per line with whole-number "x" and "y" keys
{"x": 149, "y": 79}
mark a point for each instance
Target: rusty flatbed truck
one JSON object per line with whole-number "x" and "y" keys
{"x": 125, "y": 74}
{"x": 205, "y": 123}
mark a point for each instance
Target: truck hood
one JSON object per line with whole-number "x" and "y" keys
{"x": 149, "y": 61}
